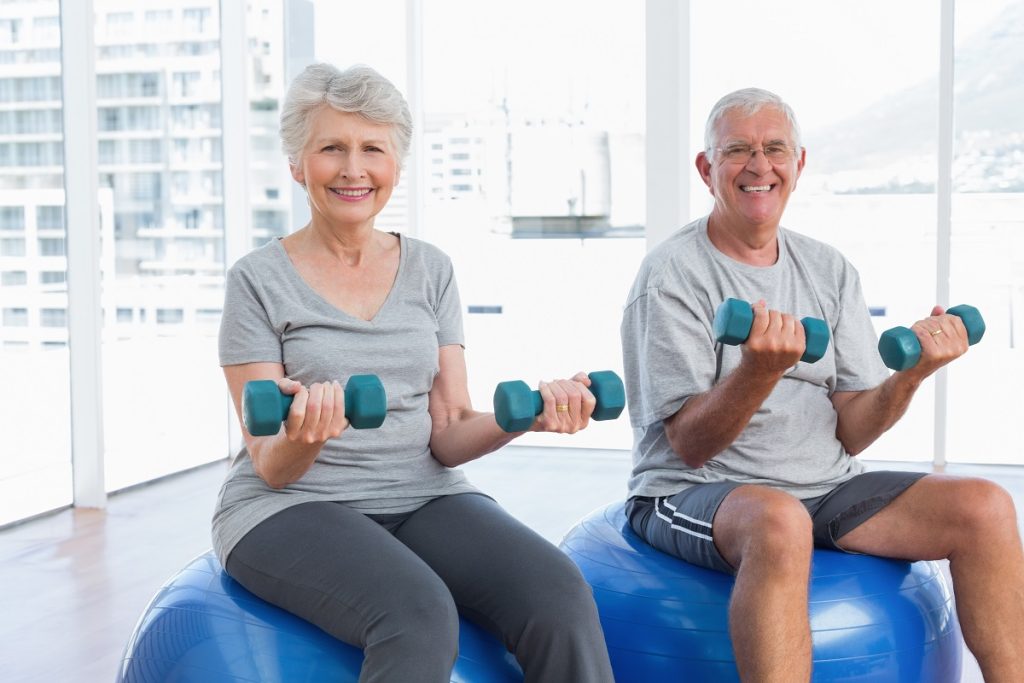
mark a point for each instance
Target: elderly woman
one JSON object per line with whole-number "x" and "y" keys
{"x": 374, "y": 535}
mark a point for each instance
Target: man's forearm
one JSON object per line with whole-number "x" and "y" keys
{"x": 869, "y": 414}
{"x": 708, "y": 423}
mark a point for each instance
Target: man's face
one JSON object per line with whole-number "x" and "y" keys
{"x": 750, "y": 190}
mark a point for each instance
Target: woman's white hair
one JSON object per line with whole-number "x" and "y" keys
{"x": 748, "y": 101}
{"x": 357, "y": 90}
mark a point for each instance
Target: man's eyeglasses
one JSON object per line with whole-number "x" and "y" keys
{"x": 776, "y": 153}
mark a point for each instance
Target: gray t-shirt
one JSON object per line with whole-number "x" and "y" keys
{"x": 272, "y": 315}
{"x": 670, "y": 354}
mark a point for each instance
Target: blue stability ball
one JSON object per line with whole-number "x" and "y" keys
{"x": 203, "y": 627}
{"x": 872, "y": 620}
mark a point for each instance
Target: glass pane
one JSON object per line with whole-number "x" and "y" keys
{"x": 987, "y": 259}
{"x": 161, "y": 193}
{"x": 535, "y": 185}
{"x": 866, "y": 98}
{"x": 533, "y": 176}
{"x": 270, "y": 183}
{"x": 35, "y": 468}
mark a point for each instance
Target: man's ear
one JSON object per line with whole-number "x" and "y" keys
{"x": 703, "y": 165}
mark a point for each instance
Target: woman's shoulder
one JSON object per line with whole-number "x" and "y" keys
{"x": 264, "y": 257}
{"x": 430, "y": 255}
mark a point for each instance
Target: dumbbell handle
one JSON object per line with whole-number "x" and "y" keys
{"x": 901, "y": 349}
{"x": 735, "y": 317}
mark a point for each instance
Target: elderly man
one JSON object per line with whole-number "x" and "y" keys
{"x": 744, "y": 456}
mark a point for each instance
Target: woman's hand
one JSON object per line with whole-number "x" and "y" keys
{"x": 317, "y": 413}
{"x": 568, "y": 405}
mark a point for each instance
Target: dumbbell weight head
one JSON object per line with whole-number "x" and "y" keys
{"x": 366, "y": 403}
{"x": 733, "y": 319}
{"x": 607, "y": 388}
{"x": 899, "y": 348}
{"x": 264, "y": 407}
{"x": 972, "y": 320}
{"x": 816, "y": 337}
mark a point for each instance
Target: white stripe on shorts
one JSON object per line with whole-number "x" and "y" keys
{"x": 677, "y": 527}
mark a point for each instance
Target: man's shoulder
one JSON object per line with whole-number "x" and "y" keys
{"x": 811, "y": 249}
{"x": 676, "y": 248}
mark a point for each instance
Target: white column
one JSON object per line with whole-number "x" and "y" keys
{"x": 82, "y": 220}
{"x": 944, "y": 197}
{"x": 234, "y": 88}
{"x": 412, "y": 176}
{"x": 668, "y": 118}
{"x": 299, "y": 53}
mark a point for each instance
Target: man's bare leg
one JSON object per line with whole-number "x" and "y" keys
{"x": 973, "y": 524}
{"x": 767, "y": 536}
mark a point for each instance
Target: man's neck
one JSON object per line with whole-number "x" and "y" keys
{"x": 750, "y": 244}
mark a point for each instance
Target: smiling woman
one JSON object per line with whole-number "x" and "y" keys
{"x": 349, "y": 167}
{"x": 376, "y": 536}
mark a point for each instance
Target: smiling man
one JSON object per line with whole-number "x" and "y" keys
{"x": 744, "y": 456}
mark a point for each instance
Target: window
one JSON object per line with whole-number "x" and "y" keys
{"x": 51, "y": 246}
{"x": 170, "y": 316}
{"x": 12, "y": 247}
{"x": 11, "y": 278}
{"x": 987, "y": 241}
{"x": 52, "y": 277}
{"x": 501, "y": 172}
{"x": 166, "y": 179}
{"x": 35, "y": 470}
{"x": 15, "y": 317}
{"x": 50, "y": 217}
{"x": 53, "y": 317}
{"x": 12, "y": 218}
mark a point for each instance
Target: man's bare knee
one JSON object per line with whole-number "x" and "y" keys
{"x": 760, "y": 522}
{"x": 985, "y": 507}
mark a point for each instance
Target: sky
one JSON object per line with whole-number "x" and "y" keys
{"x": 586, "y": 57}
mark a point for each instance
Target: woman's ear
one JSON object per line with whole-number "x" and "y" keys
{"x": 298, "y": 173}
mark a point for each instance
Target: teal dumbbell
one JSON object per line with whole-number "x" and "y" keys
{"x": 900, "y": 348}
{"x": 516, "y": 405}
{"x": 734, "y": 318}
{"x": 264, "y": 407}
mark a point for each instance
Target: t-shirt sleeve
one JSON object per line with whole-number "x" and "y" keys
{"x": 246, "y": 332}
{"x": 449, "y": 310}
{"x": 858, "y": 364}
{"x": 668, "y": 355}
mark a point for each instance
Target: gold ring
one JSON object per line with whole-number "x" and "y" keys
{"x": 937, "y": 332}
{"x": 562, "y": 409}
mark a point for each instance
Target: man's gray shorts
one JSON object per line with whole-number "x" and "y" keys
{"x": 681, "y": 524}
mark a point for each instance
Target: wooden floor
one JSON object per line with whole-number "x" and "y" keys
{"x": 75, "y": 582}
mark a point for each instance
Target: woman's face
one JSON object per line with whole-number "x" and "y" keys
{"x": 349, "y": 167}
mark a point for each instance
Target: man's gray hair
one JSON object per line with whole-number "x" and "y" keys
{"x": 748, "y": 101}
{"x": 357, "y": 90}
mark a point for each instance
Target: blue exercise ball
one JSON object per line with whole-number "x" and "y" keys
{"x": 873, "y": 620}
{"x": 203, "y": 627}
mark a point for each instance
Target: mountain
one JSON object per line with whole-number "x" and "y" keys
{"x": 890, "y": 146}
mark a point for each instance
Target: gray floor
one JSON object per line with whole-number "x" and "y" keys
{"x": 75, "y": 582}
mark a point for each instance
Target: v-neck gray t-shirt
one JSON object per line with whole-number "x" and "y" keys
{"x": 670, "y": 354}
{"x": 272, "y": 315}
